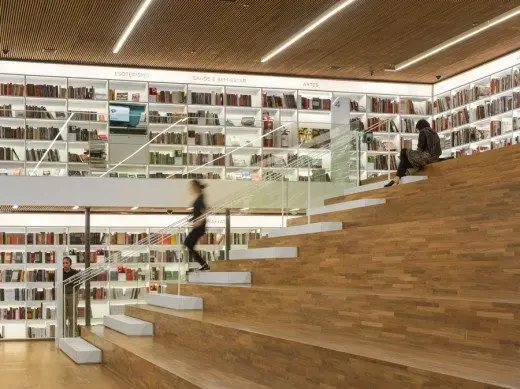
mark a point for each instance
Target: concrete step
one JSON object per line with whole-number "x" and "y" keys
{"x": 128, "y": 325}
{"x": 80, "y": 351}
{"x": 264, "y": 253}
{"x": 378, "y": 185}
{"x": 173, "y": 301}
{"x": 213, "y": 277}
{"x": 306, "y": 229}
{"x": 362, "y": 203}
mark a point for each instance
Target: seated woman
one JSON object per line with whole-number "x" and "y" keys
{"x": 428, "y": 151}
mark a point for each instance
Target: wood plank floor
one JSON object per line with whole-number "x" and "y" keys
{"x": 39, "y": 364}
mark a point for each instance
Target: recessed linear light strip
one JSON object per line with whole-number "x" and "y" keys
{"x": 131, "y": 26}
{"x": 52, "y": 143}
{"x": 313, "y": 25}
{"x": 459, "y": 38}
{"x": 142, "y": 147}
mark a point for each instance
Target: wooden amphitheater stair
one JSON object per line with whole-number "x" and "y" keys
{"x": 421, "y": 292}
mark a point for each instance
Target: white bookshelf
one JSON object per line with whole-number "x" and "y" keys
{"x": 230, "y": 126}
{"x": 479, "y": 131}
{"x": 120, "y": 290}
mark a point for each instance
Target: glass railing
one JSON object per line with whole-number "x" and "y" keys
{"x": 318, "y": 170}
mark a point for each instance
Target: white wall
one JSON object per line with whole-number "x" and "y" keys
{"x": 477, "y": 73}
{"x": 185, "y": 77}
{"x": 113, "y": 192}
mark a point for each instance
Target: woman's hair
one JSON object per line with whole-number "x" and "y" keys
{"x": 421, "y": 124}
{"x": 67, "y": 259}
{"x": 197, "y": 184}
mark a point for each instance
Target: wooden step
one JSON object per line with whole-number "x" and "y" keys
{"x": 444, "y": 255}
{"x": 146, "y": 363}
{"x": 344, "y": 206}
{"x": 410, "y": 203}
{"x": 379, "y": 185}
{"x": 212, "y": 277}
{"x": 80, "y": 351}
{"x": 128, "y": 325}
{"x": 310, "y": 359}
{"x": 264, "y": 253}
{"x": 304, "y": 229}
{"x": 173, "y": 301}
{"x": 487, "y": 327}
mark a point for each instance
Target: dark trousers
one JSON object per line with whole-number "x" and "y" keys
{"x": 404, "y": 164}
{"x": 192, "y": 239}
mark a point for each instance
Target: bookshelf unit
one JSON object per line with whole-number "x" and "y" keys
{"x": 30, "y": 256}
{"x": 221, "y": 118}
{"x": 398, "y": 115}
{"x": 480, "y": 115}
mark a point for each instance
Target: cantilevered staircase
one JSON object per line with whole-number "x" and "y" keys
{"x": 418, "y": 286}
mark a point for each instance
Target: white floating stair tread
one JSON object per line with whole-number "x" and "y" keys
{"x": 264, "y": 253}
{"x": 128, "y": 325}
{"x": 80, "y": 351}
{"x": 345, "y": 206}
{"x": 225, "y": 277}
{"x": 173, "y": 301}
{"x": 378, "y": 185}
{"x": 303, "y": 229}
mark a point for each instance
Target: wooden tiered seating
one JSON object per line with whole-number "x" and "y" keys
{"x": 421, "y": 292}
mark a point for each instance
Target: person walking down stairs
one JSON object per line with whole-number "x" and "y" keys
{"x": 428, "y": 151}
{"x": 199, "y": 223}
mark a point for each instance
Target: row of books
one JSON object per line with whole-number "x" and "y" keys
{"x": 76, "y": 133}
{"x": 498, "y": 85}
{"x": 12, "y": 238}
{"x": 47, "y": 332}
{"x": 381, "y": 125}
{"x": 204, "y": 98}
{"x": 466, "y": 135}
{"x": 12, "y": 133}
{"x": 42, "y": 133}
{"x": 127, "y": 238}
{"x": 243, "y": 238}
{"x": 168, "y": 256}
{"x": 287, "y": 101}
{"x": 41, "y": 257}
{"x": 11, "y": 257}
{"x": 13, "y": 294}
{"x": 315, "y": 103}
{"x": 47, "y": 238}
{"x": 197, "y": 159}
{"x": 6, "y": 111}
{"x": 40, "y": 275}
{"x": 10, "y": 89}
{"x": 135, "y": 258}
{"x": 80, "y": 256}
{"x": 77, "y": 158}
{"x": 383, "y": 162}
{"x": 38, "y": 294}
{"x": 495, "y": 107}
{"x": 170, "y": 97}
{"x": 123, "y": 96}
{"x": 82, "y": 92}
{"x": 459, "y": 118}
{"x": 203, "y": 118}
{"x": 169, "y": 138}
{"x": 191, "y": 176}
{"x": 174, "y": 158}
{"x": 384, "y": 105}
{"x": 167, "y": 239}
{"x": 239, "y": 100}
{"x": 34, "y": 155}
{"x": 411, "y": 107}
{"x": 46, "y": 90}
{"x": 8, "y": 154}
{"x": 168, "y": 118}
{"x": 206, "y": 139}
{"x": 78, "y": 238}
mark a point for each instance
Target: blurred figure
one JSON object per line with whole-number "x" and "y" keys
{"x": 199, "y": 222}
{"x": 71, "y": 300}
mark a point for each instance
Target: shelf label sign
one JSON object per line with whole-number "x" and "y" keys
{"x": 234, "y": 80}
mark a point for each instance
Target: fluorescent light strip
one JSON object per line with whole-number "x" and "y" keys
{"x": 131, "y": 26}
{"x": 313, "y": 25}
{"x": 52, "y": 143}
{"x": 459, "y": 38}
{"x": 142, "y": 147}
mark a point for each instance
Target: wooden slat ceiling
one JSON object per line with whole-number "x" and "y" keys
{"x": 232, "y": 36}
